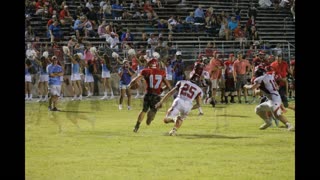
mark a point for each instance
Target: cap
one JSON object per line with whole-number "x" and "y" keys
{"x": 73, "y": 37}
{"x": 54, "y": 57}
{"x": 112, "y": 33}
{"x": 178, "y": 53}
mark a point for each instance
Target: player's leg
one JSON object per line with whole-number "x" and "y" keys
{"x": 262, "y": 110}
{"x": 143, "y": 112}
{"x": 128, "y": 92}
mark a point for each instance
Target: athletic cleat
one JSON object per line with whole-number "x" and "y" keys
{"x": 200, "y": 114}
{"x": 120, "y": 107}
{"x": 213, "y": 103}
{"x": 111, "y": 97}
{"x": 265, "y": 126}
{"x": 137, "y": 96}
{"x": 104, "y": 97}
{"x": 290, "y": 127}
{"x": 173, "y": 132}
{"x": 55, "y": 109}
{"x": 149, "y": 121}
{"x": 135, "y": 129}
{"x": 49, "y": 108}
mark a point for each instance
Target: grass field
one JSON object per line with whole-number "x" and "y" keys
{"x": 94, "y": 140}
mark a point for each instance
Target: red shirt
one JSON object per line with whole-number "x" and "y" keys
{"x": 280, "y": 69}
{"x": 154, "y": 78}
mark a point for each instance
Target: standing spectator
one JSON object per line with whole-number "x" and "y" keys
{"x": 281, "y": 69}
{"x": 125, "y": 73}
{"x": 178, "y": 68}
{"x": 55, "y": 72}
{"x": 215, "y": 72}
{"x": 55, "y": 32}
{"x": 154, "y": 78}
{"x": 240, "y": 69}
{"x": 43, "y": 79}
{"x": 229, "y": 83}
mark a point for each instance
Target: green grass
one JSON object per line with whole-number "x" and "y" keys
{"x": 225, "y": 143}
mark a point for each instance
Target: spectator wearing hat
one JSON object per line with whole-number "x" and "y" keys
{"x": 113, "y": 41}
{"x": 178, "y": 67}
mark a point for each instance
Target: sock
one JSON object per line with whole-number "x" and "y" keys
{"x": 30, "y": 96}
{"x": 111, "y": 93}
{"x": 26, "y": 96}
{"x": 106, "y": 93}
{"x": 46, "y": 96}
{"x": 200, "y": 110}
{"x": 288, "y": 124}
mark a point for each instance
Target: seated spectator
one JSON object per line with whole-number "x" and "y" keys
{"x": 78, "y": 26}
{"x": 251, "y": 22}
{"x": 54, "y": 32}
{"x": 88, "y": 28}
{"x": 107, "y": 10}
{"x": 162, "y": 25}
{"x": 239, "y": 35}
{"x": 199, "y": 16}
{"x": 116, "y": 10}
{"x": 189, "y": 21}
{"x": 174, "y": 25}
{"x": 254, "y": 34}
{"x": 149, "y": 11}
{"x": 102, "y": 32}
{"x": 126, "y": 14}
{"x": 113, "y": 41}
{"x": 232, "y": 25}
{"x": 134, "y": 5}
{"x": 153, "y": 41}
{"x": 224, "y": 31}
{"x": 64, "y": 16}
{"x": 90, "y": 5}
{"x": 127, "y": 38}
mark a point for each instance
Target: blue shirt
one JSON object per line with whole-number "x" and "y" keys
{"x": 54, "y": 69}
{"x": 76, "y": 25}
{"x": 75, "y": 68}
{"x": 125, "y": 78}
{"x": 199, "y": 13}
{"x": 105, "y": 68}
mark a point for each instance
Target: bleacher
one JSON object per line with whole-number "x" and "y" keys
{"x": 273, "y": 26}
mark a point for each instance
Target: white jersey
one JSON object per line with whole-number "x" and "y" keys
{"x": 188, "y": 90}
{"x": 268, "y": 85}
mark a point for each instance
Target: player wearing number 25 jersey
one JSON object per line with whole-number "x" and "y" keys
{"x": 154, "y": 77}
{"x": 188, "y": 90}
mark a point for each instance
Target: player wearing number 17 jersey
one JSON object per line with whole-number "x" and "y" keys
{"x": 267, "y": 84}
{"x": 188, "y": 90}
{"x": 154, "y": 77}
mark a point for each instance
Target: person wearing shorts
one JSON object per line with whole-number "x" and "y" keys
{"x": 55, "y": 71}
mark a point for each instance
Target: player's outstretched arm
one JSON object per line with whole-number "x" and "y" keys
{"x": 170, "y": 93}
